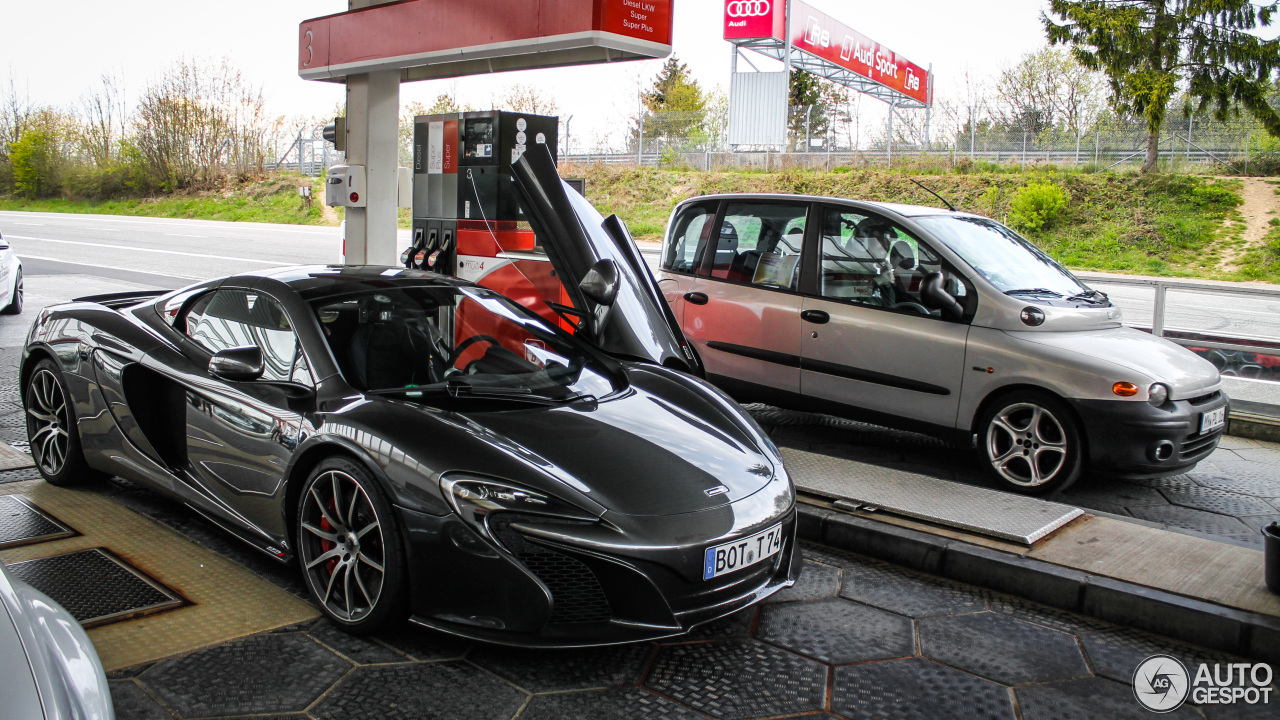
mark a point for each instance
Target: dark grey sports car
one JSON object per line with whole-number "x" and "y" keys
{"x": 422, "y": 446}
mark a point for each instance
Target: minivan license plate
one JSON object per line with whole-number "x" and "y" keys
{"x": 1213, "y": 420}
{"x": 724, "y": 559}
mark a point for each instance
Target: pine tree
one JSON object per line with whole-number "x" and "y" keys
{"x": 808, "y": 90}
{"x": 677, "y": 104}
{"x": 1147, "y": 48}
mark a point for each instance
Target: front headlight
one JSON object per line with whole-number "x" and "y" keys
{"x": 475, "y": 499}
{"x": 1158, "y": 394}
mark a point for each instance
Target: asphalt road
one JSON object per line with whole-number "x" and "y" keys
{"x": 169, "y": 253}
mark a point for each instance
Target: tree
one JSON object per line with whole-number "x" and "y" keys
{"x": 1147, "y": 47}
{"x": 676, "y": 104}
{"x": 526, "y": 99}
{"x": 1049, "y": 90}
{"x": 35, "y": 163}
{"x": 815, "y": 102}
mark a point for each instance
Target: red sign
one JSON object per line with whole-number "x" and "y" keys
{"x": 751, "y": 19}
{"x": 449, "y": 165}
{"x": 641, "y": 19}
{"x": 818, "y": 34}
{"x": 438, "y": 38}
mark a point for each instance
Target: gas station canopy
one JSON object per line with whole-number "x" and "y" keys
{"x": 428, "y": 39}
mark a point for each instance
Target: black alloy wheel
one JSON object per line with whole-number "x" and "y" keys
{"x": 1030, "y": 443}
{"x": 350, "y": 549}
{"x": 51, "y": 427}
{"x": 19, "y": 295}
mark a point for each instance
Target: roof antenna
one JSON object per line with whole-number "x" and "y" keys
{"x": 950, "y": 207}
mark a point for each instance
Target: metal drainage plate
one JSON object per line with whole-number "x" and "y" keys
{"x": 854, "y": 485}
{"x": 96, "y": 587}
{"x": 22, "y": 523}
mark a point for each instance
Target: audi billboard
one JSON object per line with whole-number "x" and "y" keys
{"x": 823, "y": 37}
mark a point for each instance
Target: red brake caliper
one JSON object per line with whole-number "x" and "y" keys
{"x": 327, "y": 545}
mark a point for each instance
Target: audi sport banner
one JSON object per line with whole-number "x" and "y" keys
{"x": 818, "y": 34}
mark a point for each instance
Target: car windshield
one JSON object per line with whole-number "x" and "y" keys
{"x": 1003, "y": 257}
{"x": 431, "y": 342}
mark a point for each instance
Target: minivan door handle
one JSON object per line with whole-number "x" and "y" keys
{"x": 817, "y": 317}
{"x": 696, "y": 298}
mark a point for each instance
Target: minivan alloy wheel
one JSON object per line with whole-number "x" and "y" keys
{"x": 1027, "y": 445}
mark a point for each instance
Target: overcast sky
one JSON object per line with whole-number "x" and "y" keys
{"x": 55, "y": 50}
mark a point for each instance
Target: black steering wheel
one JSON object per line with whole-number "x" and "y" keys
{"x": 458, "y": 351}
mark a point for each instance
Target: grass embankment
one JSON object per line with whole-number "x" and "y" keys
{"x": 1172, "y": 225}
{"x": 273, "y": 200}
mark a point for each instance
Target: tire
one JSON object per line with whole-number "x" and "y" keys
{"x": 1028, "y": 425}
{"x": 15, "y": 305}
{"x": 52, "y": 430}
{"x": 356, "y": 571}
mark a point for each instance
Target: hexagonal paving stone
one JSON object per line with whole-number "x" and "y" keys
{"x": 838, "y": 631}
{"x": 133, "y": 703}
{"x": 902, "y": 591}
{"x": 1114, "y": 493}
{"x": 1050, "y": 617}
{"x": 1223, "y": 502}
{"x": 258, "y": 674}
{"x": 422, "y": 643}
{"x": 739, "y": 679}
{"x": 1117, "y": 653}
{"x": 539, "y": 671}
{"x": 1248, "y": 470}
{"x": 1197, "y": 520}
{"x": 431, "y": 691}
{"x": 817, "y": 582}
{"x": 916, "y": 688}
{"x": 1257, "y": 487}
{"x": 616, "y": 704}
{"x": 835, "y": 557}
{"x": 355, "y": 649}
{"x": 1002, "y": 648}
{"x": 1086, "y": 699}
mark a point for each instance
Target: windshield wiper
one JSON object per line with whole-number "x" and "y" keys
{"x": 1095, "y": 296}
{"x": 1034, "y": 291}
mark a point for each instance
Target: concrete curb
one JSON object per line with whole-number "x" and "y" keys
{"x": 1188, "y": 619}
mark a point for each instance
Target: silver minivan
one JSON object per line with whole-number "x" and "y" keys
{"x": 934, "y": 321}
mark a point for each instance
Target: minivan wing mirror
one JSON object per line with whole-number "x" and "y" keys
{"x": 933, "y": 293}
{"x": 243, "y": 364}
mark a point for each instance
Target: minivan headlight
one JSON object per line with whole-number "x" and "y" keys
{"x": 1158, "y": 394}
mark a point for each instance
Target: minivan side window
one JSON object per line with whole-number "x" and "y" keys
{"x": 688, "y": 235}
{"x": 867, "y": 260}
{"x": 759, "y": 243}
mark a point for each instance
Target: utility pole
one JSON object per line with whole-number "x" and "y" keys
{"x": 640, "y": 124}
{"x": 888, "y": 145}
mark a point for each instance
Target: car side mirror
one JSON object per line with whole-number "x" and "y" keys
{"x": 933, "y": 293}
{"x": 600, "y": 284}
{"x": 244, "y": 364}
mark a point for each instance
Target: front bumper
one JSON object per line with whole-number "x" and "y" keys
{"x": 531, "y": 592}
{"x": 1137, "y": 440}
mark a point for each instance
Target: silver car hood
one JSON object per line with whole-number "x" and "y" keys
{"x": 50, "y": 667}
{"x": 1188, "y": 375}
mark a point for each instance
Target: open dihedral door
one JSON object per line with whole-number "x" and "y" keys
{"x": 639, "y": 323}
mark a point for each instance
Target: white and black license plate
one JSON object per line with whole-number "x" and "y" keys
{"x": 724, "y": 559}
{"x": 1213, "y": 420}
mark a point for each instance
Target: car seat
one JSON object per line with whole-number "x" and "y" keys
{"x": 726, "y": 248}
{"x": 389, "y": 352}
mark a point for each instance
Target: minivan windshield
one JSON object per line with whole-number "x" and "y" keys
{"x": 1003, "y": 257}
{"x": 455, "y": 342}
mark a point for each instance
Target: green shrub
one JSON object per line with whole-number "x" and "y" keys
{"x": 35, "y": 164}
{"x": 1036, "y": 206}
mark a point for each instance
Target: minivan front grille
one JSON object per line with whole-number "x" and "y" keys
{"x": 1198, "y": 446}
{"x": 576, "y": 593}
{"x": 1203, "y": 399}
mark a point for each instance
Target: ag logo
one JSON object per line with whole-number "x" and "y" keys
{"x": 1161, "y": 683}
{"x": 748, "y": 8}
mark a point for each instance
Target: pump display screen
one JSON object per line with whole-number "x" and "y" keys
{"x": 477, "y": 138}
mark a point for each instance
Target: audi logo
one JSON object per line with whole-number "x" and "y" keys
{"x": 748, "y": 8}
